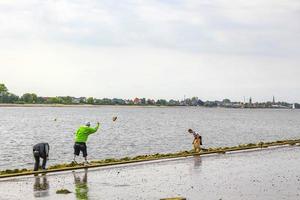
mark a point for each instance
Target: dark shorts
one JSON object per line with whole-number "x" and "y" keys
{"x": 80, "y": 146}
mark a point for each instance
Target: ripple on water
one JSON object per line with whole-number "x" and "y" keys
{"x": 137, "y": 130}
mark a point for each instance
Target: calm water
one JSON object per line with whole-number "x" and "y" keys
{"x": 138, "y": 130}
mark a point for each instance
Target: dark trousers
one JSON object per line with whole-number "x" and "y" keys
{"x": 37, "y": 157}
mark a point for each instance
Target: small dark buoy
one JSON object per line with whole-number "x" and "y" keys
{"x": 114, "y": 118}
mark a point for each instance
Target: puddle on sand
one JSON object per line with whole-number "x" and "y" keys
{"x": 268, "y": 174}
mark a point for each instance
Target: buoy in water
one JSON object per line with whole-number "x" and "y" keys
{"x": 114, "y": 118}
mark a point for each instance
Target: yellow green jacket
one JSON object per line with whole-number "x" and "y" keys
{"x": 83, "y": 133}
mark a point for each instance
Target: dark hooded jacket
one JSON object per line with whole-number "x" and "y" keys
{"x": 43, "y": 149}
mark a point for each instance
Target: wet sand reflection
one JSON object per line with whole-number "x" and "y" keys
{"x": 41, "y": 186}
{"x": 81, "y": 186}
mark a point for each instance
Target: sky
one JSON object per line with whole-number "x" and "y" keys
{"x": 213, "y": 49}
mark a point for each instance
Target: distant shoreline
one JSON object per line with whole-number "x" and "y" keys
{"x": 42, "y": 105}
{"x": 93, "y": 106}
{"x": 76, "y": 105}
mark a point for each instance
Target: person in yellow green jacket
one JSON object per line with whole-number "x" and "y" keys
{"x": 81, "y": 137}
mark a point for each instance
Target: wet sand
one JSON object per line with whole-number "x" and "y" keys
{"x": 267, "y": 174}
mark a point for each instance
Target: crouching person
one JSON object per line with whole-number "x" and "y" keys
{"x": 197, "y": 142}
{"x": 40, "y": 150}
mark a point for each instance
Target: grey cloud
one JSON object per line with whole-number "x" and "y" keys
{"x": 193, "y": 47}
{"x": 206, "y": 27}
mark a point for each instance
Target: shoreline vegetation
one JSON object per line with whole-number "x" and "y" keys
{"x": 77, "y": 106}
{"x": 144, "y": 158}
{"x": 8, "y": 99}
{"x": 12, "y": 105}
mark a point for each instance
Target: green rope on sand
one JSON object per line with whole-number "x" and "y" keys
{"x": 143, "y": 158}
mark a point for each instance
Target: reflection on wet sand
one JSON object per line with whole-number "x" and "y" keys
{"x": 41, "y": 186}
{"x": 81, "y": 187}
{"x": 197, "y": 162}
{"x": 195, "y": 165}
{"x": 234, "y": 176}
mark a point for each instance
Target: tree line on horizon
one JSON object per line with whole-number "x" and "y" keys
{"x": 32, "y": 98}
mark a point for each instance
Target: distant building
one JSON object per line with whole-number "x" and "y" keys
{"x": 128, "y": 102}
{"x": 118, "y": 101}
{"x": 136, "y": 101}
{"x": 173, "y": 102}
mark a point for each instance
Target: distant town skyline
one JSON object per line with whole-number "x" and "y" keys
{"x": 153, "y": 49}
{"x": 6, "y": 96}
{"x": 245, "y": 99}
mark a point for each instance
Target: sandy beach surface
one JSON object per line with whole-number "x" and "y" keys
{"x": 266, "y": 174}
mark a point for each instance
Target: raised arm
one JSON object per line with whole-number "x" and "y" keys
{"x": 94, "y": 130}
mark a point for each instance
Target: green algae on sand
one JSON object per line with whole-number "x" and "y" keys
{"x": 63, "y": 191}
{"x": 157, "y": 156}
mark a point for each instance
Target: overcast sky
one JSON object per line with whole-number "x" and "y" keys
{"x": 212, "y": 49}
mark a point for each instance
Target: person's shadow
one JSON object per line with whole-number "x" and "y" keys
{"x": 81, "y": 186}
{"x": 41, "y": 186}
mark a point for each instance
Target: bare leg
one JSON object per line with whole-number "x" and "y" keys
{"x": 195, "y": 147}
{"x": 74, "y": 159}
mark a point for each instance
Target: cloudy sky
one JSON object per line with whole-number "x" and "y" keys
{"x": 212, "y": 49}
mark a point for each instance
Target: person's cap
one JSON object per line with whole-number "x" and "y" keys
{"x": 88, "y": 124}
{"x": 190, "y": 130}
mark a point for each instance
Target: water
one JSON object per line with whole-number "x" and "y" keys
{"x": 138, "y": 130}
{"x": 246, "y": 175}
